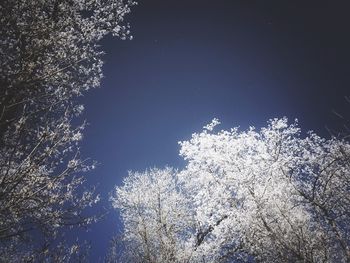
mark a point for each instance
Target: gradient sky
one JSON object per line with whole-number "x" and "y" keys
{"x": 243, "y": 62}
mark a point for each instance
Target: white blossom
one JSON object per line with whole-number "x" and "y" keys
{"x": 269, "y": 196}
{"x": 49, "y": 55}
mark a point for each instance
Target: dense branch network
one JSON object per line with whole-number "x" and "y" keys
{"x": 244, "y": 196}
{"x": 49, "y": 55}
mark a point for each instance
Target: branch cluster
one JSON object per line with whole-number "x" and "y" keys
{"x": 49, "y": 55}
{"x": 244, "y": 196}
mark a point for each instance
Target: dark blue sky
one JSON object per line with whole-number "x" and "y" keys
{"x": 240, "y": 61}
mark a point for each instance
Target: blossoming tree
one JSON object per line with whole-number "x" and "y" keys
{"x": 269, "y": 196}
{"x": 49, "y": 55}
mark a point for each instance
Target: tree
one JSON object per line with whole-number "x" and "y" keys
{"x": 49, "y": 56}
{"x": 156, "y": 217}
{"x": 267, "y": 196}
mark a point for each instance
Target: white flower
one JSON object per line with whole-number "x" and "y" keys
{"x": 212, "y": 125}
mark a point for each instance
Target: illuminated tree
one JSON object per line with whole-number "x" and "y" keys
{"x": 268, "y": 195}
{"x": 49, "y": 55}
{"x": 156, "y": 217}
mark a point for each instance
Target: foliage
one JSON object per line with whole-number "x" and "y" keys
{"x": 259, "y": 196}
{"x": 49, "y": 55}
{"x": 156, "y": 216}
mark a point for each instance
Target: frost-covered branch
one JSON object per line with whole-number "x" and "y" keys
{"x": 49, "y": 55}
{"x": 247, "y": 196}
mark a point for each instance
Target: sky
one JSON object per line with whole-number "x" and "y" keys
{"x": 243, "y": 62}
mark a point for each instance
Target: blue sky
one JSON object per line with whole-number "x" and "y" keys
{"x": 243, "y": 62}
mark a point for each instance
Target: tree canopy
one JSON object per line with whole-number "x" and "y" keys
{"x": 272, "y": 195}
{"x": 49, "y": 55}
